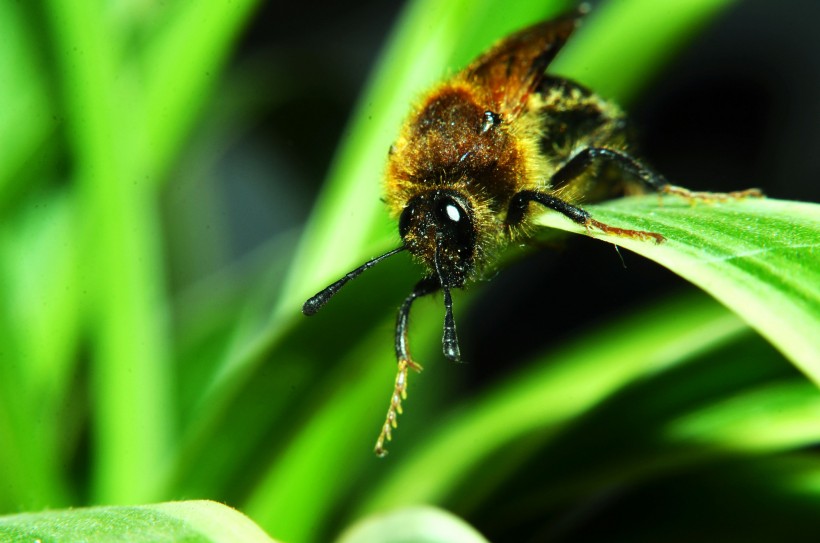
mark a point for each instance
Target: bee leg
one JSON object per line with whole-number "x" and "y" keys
{"x": 585, "y": 157}
{"x": 573, "y": 168}
{"x": 520, "y": 202}
{"x": 426, "y": 286}
{"x": 708, "y": 197}
{"x": 652, "y": 179}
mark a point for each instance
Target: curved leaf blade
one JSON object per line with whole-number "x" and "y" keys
{"x": 191, "y": 521}
{"x": 760, "y": 258}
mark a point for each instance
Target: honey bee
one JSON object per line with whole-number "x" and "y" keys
{"x": 477, "y": 150}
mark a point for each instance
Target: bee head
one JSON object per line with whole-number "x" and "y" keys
{"x": 437, "y": 228}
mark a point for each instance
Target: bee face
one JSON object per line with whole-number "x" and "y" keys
{"x": 437, "y": 228}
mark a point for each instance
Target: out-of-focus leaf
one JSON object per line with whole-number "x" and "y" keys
{"x": 40, "y": 322}
{"x": 26, "y": 114}
{"x": 412, "y": 524}
{"x": 606, "y": 56}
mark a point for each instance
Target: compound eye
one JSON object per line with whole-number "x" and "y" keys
{"x": 455, "y": 223}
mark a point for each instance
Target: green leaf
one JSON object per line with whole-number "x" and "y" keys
{"x": 759, "y": 257}
{"x": 192, "y": 522}
{"x": 412, "y": 525}
{"x": 773, "y": 416}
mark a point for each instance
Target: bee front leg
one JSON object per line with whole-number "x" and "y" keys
{"x": 426, "y": 286}
{"x": 520, "y": 202}
{"x": 571, "y": 170}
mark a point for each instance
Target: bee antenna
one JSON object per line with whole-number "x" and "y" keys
{"x": 316, "y": 302}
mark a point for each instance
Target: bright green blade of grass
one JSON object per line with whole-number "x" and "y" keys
{"x": 741, "y": 400}
{"x": 771, "y": 417}
{"x": 122, "y": 263}
{"x": 760, "y": 257}
{"x": 691, "y": 424}
{"x": 192, "y": 522}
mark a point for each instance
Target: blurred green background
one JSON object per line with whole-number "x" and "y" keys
{"x": 159, "y": 165}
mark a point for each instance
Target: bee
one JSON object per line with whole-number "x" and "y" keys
{"x": 474, "y": 155}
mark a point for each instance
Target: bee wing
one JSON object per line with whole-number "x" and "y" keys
{"x": 511, "y": 70}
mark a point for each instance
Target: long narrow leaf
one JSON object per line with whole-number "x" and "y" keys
{"x": 761, "y": 258}
{"x": 120, "y": 245}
